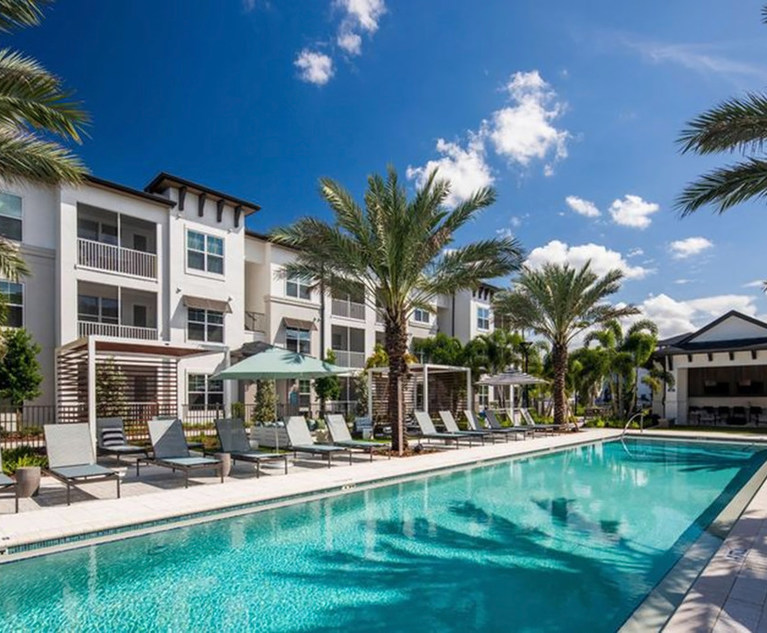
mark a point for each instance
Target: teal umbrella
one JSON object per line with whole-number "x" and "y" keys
{"x": 276, "y": 363}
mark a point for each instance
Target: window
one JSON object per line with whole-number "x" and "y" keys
{"x": 10, "y": 216}
{"x": 205, "y": 392}
{"x": 139, "y": 243}
{"x": 205, "y": 325}
{"x": 14, "y": 303}
{"x": 205, "y": 252}
{"x": 98, "y": 309}
{"x": 97, "y": 231}
{"x": 304, "y": 394}
{"x": 298, "y": 340}
{"x": 139, "y": 316}
{"x": 483, "y": 398}
{"x": 483, "y": 318}
{"x": 421, "y": 316}
{"x": 298, "y": 287}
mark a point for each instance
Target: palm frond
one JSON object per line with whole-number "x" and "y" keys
{"x": 725, "y": 187}
{"x": 739, "y": 124}
{"x": 20, "y": 13}
{"x": 12, "y": 266}
{"x": 25, "y": 157}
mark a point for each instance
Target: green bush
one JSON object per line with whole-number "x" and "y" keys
{"x": 238, "y": 410}
{"x": 22, "y": 456}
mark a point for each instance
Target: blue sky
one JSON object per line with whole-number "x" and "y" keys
{"x": 569, "y": 109}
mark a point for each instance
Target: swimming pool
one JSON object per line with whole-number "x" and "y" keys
{"x": 569, "y": 541}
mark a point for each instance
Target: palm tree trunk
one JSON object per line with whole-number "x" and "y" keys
{"x": 396, "y": 348}
{"x": 559, "y": 352}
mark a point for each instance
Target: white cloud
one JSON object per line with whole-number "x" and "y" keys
{"x": 602, "y": 259}
{"x": 682, "y": 282}
{"x": 678, "y": 317}
{"x": 582, "y": 207}
{"x": 359, "y": 16}
{"x": 681, "y": 249}
{"x": 504, "y": 232}
{"x": 635, "y": 252}
{"x": 757, "y": 283}
{"x": 633, "y": 211}
{"x": 466, "y": 169}
{"x": 524, "y": 131}
{"x": 350, "y": 42}
{"x": 315, "y": 68}
{"x": 515, "y": 221}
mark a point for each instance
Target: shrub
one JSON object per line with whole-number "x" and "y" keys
{"x": 22, "y": 456}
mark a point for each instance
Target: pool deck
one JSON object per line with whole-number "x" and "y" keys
{"x": 159, "y": 495}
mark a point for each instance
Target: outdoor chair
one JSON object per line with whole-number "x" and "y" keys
{"x": 301, "y": 441}
{"x": 193, "y": 446}
{"x": 475, "y": 424}
{"x": 71, "y": 459}
{"x": 7, "y": 482}
{"x": 693, "y": 415}
{"x": 738, "y": 417}
{"x": 755, "y": 415}
{"x": 708, "y": 416}
{"x": 529, "y": 423}
{"x": 234, "y": 440}
{"x": 723, "y": 415}
{"x": 428, "y": 431}
{"x": 339, "y": 434}
{"x": 110, "y": 439}
{"x": 451, "y": 426}
{"x": 170, "y": 450}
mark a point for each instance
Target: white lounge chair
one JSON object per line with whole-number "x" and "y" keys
{"x": 339, "y": 434}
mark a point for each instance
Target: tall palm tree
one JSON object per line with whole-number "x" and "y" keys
{"x": 737, "y": 125}
{"x": 398, "y": 249}
{"x": 558, "y": 302}
{"x": 37, "y": 115}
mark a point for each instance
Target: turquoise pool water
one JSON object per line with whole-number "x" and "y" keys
{"x": 570, "y": 541}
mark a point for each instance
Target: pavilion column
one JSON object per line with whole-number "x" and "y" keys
{"x": 426, "y": 388}
{"x": 92, "y": 388}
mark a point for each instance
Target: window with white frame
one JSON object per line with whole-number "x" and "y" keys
{"x": 97, "y": 231}
{"x": 483, "y": 318}
{"x": 205, "y": 392}
{"x": 298, "y": 340}
{"x": 421, "y": 316}
{"x": 298, "y": 287}
{"x": 98, "y": 309}
{"x": 304, "y": 394}
{"x": 13, "y": 294}
{"x": 205, "y": 325}
{"x": 483, "y": 396}
{"x": 10, "y": 216}
{"x": 205, "y": 252}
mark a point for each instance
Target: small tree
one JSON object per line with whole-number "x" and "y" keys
{"x": 265, "y": 408}
{"x": 111, "y": 386}
{"x": 20, "y": 375}
{"x": 327, "y": 387}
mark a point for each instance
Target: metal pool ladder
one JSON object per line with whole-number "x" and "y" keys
{"x": 639, "y": 415}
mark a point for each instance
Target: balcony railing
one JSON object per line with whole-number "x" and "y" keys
{"x": 116, "y": 259}
{"x": 348, "y": 309}
{"x": 255, "y": 321}
{"x": 88, "y": 328}
{"x": 350, "y": 359}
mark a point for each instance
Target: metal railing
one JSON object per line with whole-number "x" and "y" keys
{"x": 87, "y": 328}
{"x": 255, "y": 321}
{"x": 345, "y": 358}
{"x": 348, "y": 309}
{"x": 117, "y": 259}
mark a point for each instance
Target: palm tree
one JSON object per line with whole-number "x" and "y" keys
{"x": 398, "y": 249}
{"x": 737, "y": 125}
{"x": 658, "y": 378}
{"x": 558, "y": 302}
{"x": 35, "y": 110}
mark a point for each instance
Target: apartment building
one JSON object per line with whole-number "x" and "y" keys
{"x": 168, "y": 282}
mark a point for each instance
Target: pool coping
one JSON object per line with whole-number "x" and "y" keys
{"x": 660, "y": 605}
{"x": 120, "y": 527}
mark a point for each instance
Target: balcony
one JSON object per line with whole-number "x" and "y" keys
{"x": 116, "y": 259}
{"x": 348, "y": 309}
{"x": 88, "y": 328}
{"x": 345, "y": 358}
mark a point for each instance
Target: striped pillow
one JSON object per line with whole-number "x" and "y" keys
{"x": 112, "y": 437}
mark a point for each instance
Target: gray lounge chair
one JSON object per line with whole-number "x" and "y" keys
{"x": 70, "y": 456}
{"x": 110, "y": 439}
{"x": 7, "y": 482}
{"x": 494, "y": 423}
{"x": 234, "y": 440}
{"x": 524, "y": 414}
{"x": 301, "y": 441}
{"x": 475, "y": 423}
{"x": 451, "y": 426}
{"x": 340, "y": 435}
{"x": 429, "y": 431}
{"x": 170, "y": 450}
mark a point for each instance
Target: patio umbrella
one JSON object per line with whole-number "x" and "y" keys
{"x": 276, "y": 363}
{"x": 510, "y": 378}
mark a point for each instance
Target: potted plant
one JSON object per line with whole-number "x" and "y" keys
{"x": 25, "y": 465}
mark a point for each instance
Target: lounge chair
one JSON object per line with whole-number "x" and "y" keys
{"x": 451, "y": 426}
{"x": 170, "y": 450}
{"x": 193, "y": 446}
{"x": 339, "y": 434}
{"x": 475, "y": 423}
{"x": 301, "y": 441}
{"x": 234, "y": 440}
{"x": 110, "y": 439}
{"x": 70, "y": 456}
{"x": 7, "y": 482}
{"x": 429, "y": 431}
{"x": 529, "y": 423}
{"x": 495, "y": 425}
